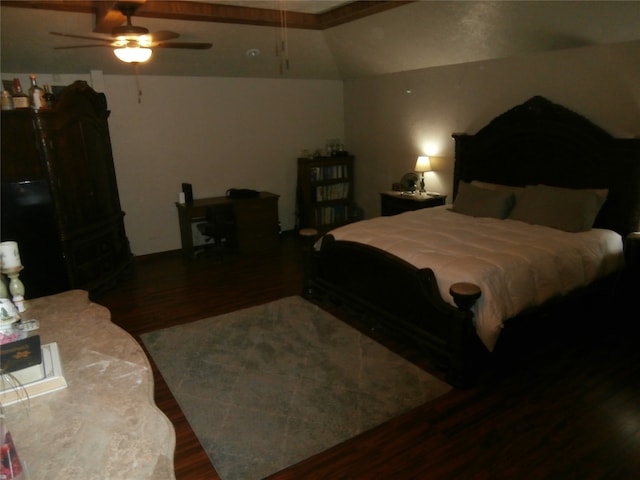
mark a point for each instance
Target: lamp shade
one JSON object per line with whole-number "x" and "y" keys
{"x": 9, "y": 255}
{"x": 133, "y": 54}
{"x": 423, "y": 164}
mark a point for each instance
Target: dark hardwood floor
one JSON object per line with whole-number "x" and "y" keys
{"x": 559, "y": 404}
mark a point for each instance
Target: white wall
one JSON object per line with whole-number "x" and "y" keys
{"x": 387, "y": 128}
{"x": 215, "y": 133}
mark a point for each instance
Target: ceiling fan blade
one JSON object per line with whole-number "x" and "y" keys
{"x": 163, "y": 35}
{"x": 83, "y": 37}
{"x": 82, "y": 46}
{"x": 187, "y": 45}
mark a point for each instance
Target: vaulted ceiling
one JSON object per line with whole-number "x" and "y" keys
{"x": 324, "y": 39}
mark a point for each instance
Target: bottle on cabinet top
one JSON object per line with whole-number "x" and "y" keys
{"x": 20, "y": 99}
{"x": 37, "y": 99}
{"x": 7, "y": 100}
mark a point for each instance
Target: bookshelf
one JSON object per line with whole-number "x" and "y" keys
{"x": 325, "y": 191}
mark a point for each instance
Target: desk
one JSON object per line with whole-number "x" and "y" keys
{"x": 105, "y": 424}
{"x": 256, "y": 221}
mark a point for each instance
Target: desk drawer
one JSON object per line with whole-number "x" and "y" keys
{"x": 257, "y": 224}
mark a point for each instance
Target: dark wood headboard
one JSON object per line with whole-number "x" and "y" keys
{"x": 540, "y": 142}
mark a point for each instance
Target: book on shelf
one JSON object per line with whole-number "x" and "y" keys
{"x": 336, "y": 191}
{"x": 30, "y": 382}
{"x": 328, "y": 172}
{"x": 338, "y": 214}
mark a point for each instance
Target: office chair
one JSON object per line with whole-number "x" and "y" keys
{"x": 219, "y": 228}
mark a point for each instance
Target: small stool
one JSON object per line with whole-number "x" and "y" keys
{"x": 308, "y": 233}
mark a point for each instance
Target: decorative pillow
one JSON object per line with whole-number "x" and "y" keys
{"x": 568, "y": 209}
{"x": 482, "y": 202}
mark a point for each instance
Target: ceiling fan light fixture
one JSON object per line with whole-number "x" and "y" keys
{"x": 145, "y": 41}
{"x": 133, "y": 54}
{"x": 133, "y": 41}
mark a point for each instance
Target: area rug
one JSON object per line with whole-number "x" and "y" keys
{"x": 268, "y": 386}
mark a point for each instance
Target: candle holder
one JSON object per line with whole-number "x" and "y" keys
{"x": 4, "y": 293}
{"x": 16, "y": 287}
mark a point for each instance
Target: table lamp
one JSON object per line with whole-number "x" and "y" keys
{"x": 422, "y": 165}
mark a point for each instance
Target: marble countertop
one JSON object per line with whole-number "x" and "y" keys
{"x": 105, "y": 424}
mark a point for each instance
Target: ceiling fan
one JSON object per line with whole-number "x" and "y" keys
{"x": 134, "y": 44}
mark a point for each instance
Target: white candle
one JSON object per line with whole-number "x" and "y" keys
{"x": 10, "y": 255}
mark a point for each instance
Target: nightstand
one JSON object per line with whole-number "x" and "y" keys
{"x": 629, "y": 280}
{"x": 632, "y": 254}
{"x": 393, "y": 203}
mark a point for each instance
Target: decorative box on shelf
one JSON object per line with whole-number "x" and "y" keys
{"x": 40, "y": 378}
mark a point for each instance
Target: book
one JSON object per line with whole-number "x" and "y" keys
{"x": 36, "y": 380}
{"x": 20, "y": 354}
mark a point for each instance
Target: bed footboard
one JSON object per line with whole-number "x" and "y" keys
{"x": 405, "y": 300}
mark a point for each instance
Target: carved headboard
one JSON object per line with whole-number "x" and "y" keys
{"x": 540, "y": 142}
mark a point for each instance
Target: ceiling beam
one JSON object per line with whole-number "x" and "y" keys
{"x": 107, "y": 17}
{"x": 76, "y": 6}
{"x": 221, "y": 13}
{"x": 356, "y": 10}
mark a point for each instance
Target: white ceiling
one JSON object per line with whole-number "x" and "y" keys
{"x": 413, "y": 36}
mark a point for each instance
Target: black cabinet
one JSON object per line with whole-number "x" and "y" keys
{"x": 59, "y": 195}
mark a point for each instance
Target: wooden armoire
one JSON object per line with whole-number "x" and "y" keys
{"x": 60, "y": 197}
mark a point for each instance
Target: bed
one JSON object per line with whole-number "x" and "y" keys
{"x": 427, "y": 276}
